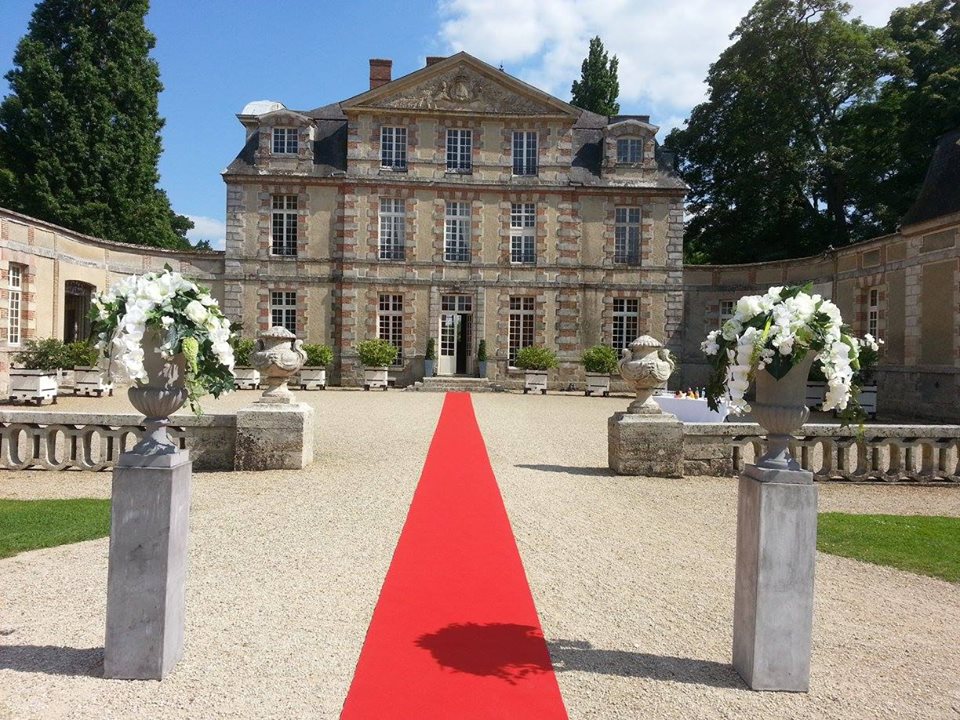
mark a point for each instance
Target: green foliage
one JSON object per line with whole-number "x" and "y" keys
{"x": 376, "y": 352}
{"x": 916, "y": 543}
{"x": 54, "y": 354}
{"x": 431, "y": 353}
{"x": 80, "y": 129}
{"x": 600, "y": 359}
{"x": 598, "y": 88}
{"x": 242, "y": 348}
{"x": 318, "y": 355}
{"x": 33, "y": 524}
{"x": 80, "y": 354}
{"x": 536, "y": 357}
{"x": 482, "y": 351}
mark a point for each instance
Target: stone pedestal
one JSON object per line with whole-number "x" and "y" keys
{"x": 274, "y": 436}
{"x": 645, "y": 444}
{"x": 773, "y": 601}
{"x": 146, "y": 581}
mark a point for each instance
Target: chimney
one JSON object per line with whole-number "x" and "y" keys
{"x": 432, "y": 59}
{"x": 380, "y": 72}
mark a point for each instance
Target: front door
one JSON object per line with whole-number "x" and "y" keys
{"x": 455, "y": 333}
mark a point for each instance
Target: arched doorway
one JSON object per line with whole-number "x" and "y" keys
{"x": 77, "y": 296}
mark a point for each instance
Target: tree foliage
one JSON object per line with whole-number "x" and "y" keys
{"x": 598, "y": 87}
{"x": 80, "y": 130}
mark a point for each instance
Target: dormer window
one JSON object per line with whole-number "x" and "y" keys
{"x": 285, "y": 141}
{"x": 393, "y": 148}
{"x": 629, "y": 150}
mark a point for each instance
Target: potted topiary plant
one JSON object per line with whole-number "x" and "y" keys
{"x": 430, "y": 358}
{"x": 376, "y": 356}
{"x": 313, "y": 375}
{"x": 245, "y": 375}
{"x": 536, "y": 360}
{"x": 599, "y": 362}
{"x": 88, "y": 378}
{"x": 482, "y": 358}
{"x": 36, "y": 378}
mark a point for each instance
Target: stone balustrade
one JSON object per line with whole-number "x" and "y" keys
{"x": 86, "y": 441}
{"x": 888, "y": 453}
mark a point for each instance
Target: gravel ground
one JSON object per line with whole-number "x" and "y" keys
{"x": 633, "y": 580}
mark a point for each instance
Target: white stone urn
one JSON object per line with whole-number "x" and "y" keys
{"x": 780, "y": 409}
{"x": 160, "y": 396}
{"x": 278, "y": 356}
{"x": 646, "y": 365}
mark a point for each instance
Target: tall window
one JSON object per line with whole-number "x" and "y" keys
{"x": 629, "y": 150}
{"x": 521, "y": 326}
{"x": 873, "y": 312}
{"x": 459, "y": 150}
{"x": 284, "y": 225}
{"x": 456, "y": 238}
{"x": 390, "y": 323}
{"x": 14, "y": 307}
{"x": 523, "y": 230}
{"x": 283, "y": 309}
{"x": 726, "y": 311}
{"x": 627, "y": 236}
{"x": 285, "y": 141}
{"x": 393, "y": 147}
{"x": 524, "y": 153}
{"x": 626, "y": 322}
{"x": 392, "y": 220}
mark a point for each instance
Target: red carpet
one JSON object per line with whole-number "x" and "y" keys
{"x": 455, "y": 633}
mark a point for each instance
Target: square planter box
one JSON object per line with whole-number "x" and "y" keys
{"x": 246, "y": 378}
{"x": 535, "y": 380}
{"x": 36, "y": 385}
{"x": 597, "y": 384}
{"x": 868, "y": 399}
{"x": 816, "y": 391}
{"x": 375, "y": 378}
{"x": 87, "y": 380}
{"x": 313, "y": 378}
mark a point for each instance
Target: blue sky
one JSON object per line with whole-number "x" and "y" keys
{"x": 217, "y": 55}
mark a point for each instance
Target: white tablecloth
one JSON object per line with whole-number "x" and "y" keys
{"x": 691, "y": 410}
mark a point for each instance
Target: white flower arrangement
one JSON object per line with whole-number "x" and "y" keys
{"x": 188, "y": 318}
{"x": 774, "y": 332}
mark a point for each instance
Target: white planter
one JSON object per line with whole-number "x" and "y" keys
{"x": 868, "y": 399}
{"x": 246, "y": 378}
{"x": 313, "y": 378}
{"x": 535, "y": 380}
{"x": 36, "y": 385}
{"x": 376, "y": 377}
{"x": 597, "y": 384}
{"x": 87, "y": 380}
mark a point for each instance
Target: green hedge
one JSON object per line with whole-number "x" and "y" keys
{"x": 600, "y": 359}
{"x": 536, "y": 357}
{"x": 376, "y": 353}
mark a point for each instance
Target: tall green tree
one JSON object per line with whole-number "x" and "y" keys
{"x": 765, "y": 156}
{"x": 80, "y": 130}
{"x": 598, "y": 88}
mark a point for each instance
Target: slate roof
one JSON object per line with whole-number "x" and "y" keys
{"x": 940, "y": 194}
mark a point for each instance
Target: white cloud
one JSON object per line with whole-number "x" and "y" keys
{"x": 665, "y": 47}
{"x": 207, "y": 228}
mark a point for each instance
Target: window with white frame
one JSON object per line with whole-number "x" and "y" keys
{"x": 521, "y": 326}
{"x": 459, "y": 150}
{"x": 873, "y": 312}
{"x": 627, "y": 235}
{"x": 14, "y": 303}
{"x": 283, "y": 240}
{"x": 390, "y": 323}
{"x": 393, "y": 147}
{"x": 392, "y": 228}
{"x": 626, "y": 322}
{"x": 456, "y": 232}
{"x": 523, "y": 233}
{"x": 285, "y": 141}
{"x": 629, "y": 150}
{"x": 524, "y": 152}
{"x": 283, "y": 309}
{"x": 726, "y": 311}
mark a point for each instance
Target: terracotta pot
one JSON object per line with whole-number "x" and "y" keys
{"x": 780, "y": 408}
{"x": 160, "y": 396}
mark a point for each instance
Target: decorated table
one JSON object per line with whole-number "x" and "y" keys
{"x": 691, "y": 410}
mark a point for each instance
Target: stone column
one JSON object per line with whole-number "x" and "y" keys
{"x": 146, "y": 579}
{"x": 773, "y": 596}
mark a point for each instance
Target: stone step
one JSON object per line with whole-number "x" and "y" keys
{"x": 453, "y": 384}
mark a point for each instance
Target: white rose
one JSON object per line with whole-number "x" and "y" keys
{"x": 196, "y": 312}
{"x": 748, "y": 307}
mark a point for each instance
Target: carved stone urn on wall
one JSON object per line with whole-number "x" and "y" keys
{"x": 279, "y": 355}
{"x": 646, "y": 365}
{"x": 780, "y": 409}
{"x": 160, "y": 396}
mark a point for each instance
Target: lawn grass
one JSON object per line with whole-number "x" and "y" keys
{"x": 917, "y": 543}
{"x": 32, "y": 524}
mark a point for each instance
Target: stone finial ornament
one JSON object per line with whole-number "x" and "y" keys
{"x": 278, "y": 356}
{"x": 646, "y": 365}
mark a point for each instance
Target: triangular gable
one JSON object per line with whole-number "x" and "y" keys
{"x": 461, "y": 83}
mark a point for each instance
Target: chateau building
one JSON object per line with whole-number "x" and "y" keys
{"x": 455, "y": 203}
